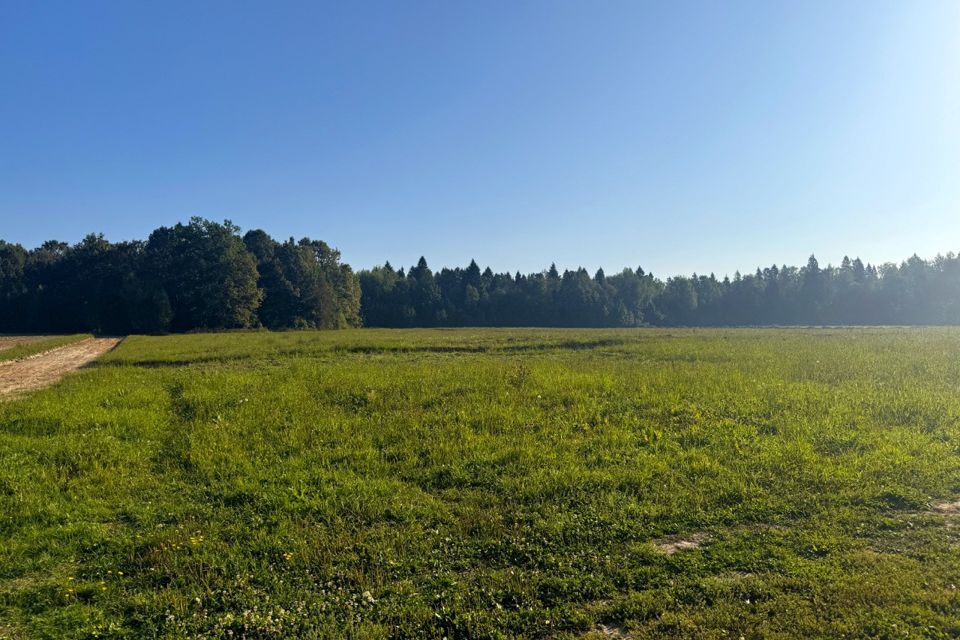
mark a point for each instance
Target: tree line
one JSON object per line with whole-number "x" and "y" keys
{"x": 200, "y": 275}
{"x": 916, "y": 291}
{"x": 206, "y": 275}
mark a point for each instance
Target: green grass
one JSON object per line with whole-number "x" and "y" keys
{"x": 488, "y": 484}
{"x": 39, "y": 346}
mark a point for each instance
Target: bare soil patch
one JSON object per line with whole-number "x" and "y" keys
{"x": 44, "y": 369}
{"x": 948, "y": 508}
{"x": 605, "y": 632}
{"x": 672, "y": 544}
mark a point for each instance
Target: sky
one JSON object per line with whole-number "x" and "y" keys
{"x": 678, "y": 136}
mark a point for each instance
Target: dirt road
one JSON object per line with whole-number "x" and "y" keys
{"x": 20, "y": 376}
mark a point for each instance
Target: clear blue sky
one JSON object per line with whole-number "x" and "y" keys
{"x": 680, "y": 136}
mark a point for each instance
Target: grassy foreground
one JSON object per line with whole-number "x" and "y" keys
{"x": 489, "y": 484}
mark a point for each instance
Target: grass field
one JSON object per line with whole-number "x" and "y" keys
{"x": 489, "y": 484}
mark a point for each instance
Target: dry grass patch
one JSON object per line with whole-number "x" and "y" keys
{"x": 688, "y": 542}
{"x": 606, "y": 632}
{"x": 948, "y": 508}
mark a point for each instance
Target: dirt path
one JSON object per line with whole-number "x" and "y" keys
{"x": 9, "y": 342}
{"x": 42, "y": 370}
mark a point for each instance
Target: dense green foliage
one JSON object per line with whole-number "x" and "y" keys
{"x": 203, "y": 275}
{"x": 304, "y": 284}
{"x": 915, "y": 292}
{"x": 488, "y": 484}
{"x": 200, "y": 275}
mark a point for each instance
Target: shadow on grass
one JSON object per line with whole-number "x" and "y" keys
{"x": 568, "y": 345}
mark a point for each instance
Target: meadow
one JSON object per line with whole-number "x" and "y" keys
{"x": 743, "y": 483}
